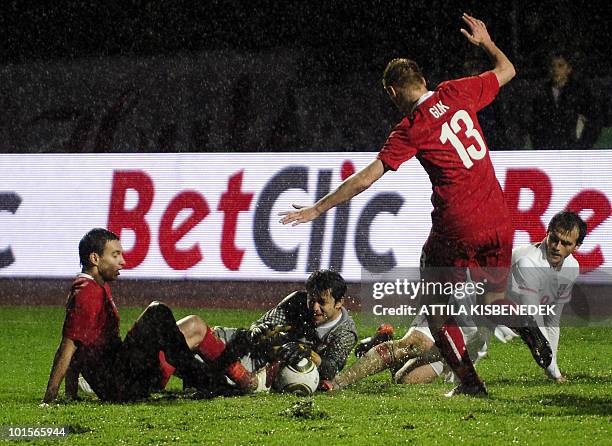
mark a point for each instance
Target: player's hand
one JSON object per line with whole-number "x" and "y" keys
{"x": 304, "y": 214}
{"x": 264, "y": 334}
{"x": 293, "y": 352}
{"x": 50, "y": 397}
{"x": 478, "y": 34}
{"x": 257, "y": 334}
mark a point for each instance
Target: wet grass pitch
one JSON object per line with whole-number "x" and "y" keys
{"x": 523, "y": 408}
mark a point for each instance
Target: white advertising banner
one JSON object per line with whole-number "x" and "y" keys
{"x": 215, "y": 216}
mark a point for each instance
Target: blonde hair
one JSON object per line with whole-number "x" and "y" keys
{"x": 401, "y": 72}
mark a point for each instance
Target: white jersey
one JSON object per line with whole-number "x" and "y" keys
{"x": 533, "y": 281}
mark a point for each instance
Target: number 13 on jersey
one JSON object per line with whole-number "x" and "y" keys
{"x": 449, "y": 133}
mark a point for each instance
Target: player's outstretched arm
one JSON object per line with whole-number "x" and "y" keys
{"x": 479, "y": 36}
{"x": 71, "y": 382}
{"x": 61, "y": 362}
{"x": 350, "y": 187}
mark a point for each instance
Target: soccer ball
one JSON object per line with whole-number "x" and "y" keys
{"x": 300, "y": 379}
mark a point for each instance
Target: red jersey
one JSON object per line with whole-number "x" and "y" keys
{"x": 445, "y": 136}
{"x": 92, "y": 322}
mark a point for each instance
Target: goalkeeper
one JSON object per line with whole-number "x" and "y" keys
{"x": 307, "y": 323}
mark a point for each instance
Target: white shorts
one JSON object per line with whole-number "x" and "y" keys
{"x": 420, "y": 324}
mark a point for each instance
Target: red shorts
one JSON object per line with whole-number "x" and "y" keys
{"x": 486, "y": 254}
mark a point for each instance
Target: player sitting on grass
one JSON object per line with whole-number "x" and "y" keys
{"x": 541, "y": 274}
{"x": 413, "y": 359}
{"x": 116, "y": 370}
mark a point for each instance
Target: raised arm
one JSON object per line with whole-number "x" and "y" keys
{"x": 353, "y": 185}
{"x": 479, "y": 36}
{"x": 61, "y": 363}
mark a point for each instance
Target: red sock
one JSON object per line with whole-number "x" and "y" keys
{"x": 211, "y": 348}
{"x": 241, "y": 376}
{"x": 454, "y": 336}
{"x": 166, "y": 368}
{"x": 449, "y": 340}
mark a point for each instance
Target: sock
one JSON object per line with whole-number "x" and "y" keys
{"x": 449, "y": 340}
{"x": 166, "y": 368}
{"x": 374, "y": 361}
{"x": 241, "y": 376}
{"x": 212, "y": 347}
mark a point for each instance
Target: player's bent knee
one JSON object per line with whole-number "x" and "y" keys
{"x": 414, "y": 345}
{"x": 158, "y": 308}
{"x": 197, "y": 325}
{"x": 422, "y": 342}
{"x": 193, "y": 328}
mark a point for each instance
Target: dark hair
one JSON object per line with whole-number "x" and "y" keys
{"x": 325, "y": 279}
{"x": 94, "y": 241}
{"x": 401, "y": 72}
{"x": 559, "y": 54}
{"x": 567, "y": 221}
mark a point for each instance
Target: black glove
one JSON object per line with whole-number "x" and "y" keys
{"x": 257, "y": 333}
{"x": 266, "y": 336}
{"x": 293, "y": 352}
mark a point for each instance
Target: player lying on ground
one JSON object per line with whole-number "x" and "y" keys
{"x": 116, "y": 370}
{"x": 544, "y": 274}
{"x": 541, "y": 274}
{"x": 471, "y": 226}
{"x": 307, "y": 323}
{"x": 413, "y": 359}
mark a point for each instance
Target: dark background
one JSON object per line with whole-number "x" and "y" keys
{"x": 344, "y": 36}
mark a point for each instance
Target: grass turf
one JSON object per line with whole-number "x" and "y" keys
{"x": 523, "y": 407}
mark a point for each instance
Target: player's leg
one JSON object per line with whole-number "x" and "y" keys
{"x": 419, "y": 371}
{"x": 493, "y": 259}
{"x": 440, "y": 264}
{"x": 155, "y": 330}
{"x": 451, "y": 343}
{"x": 194, "y": 330}
{"x": 202, "y": 339}
{"x": 386, "y": 355}
{"x": 218, "y": 346}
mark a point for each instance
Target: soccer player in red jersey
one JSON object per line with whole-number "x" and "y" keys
{"x": 117, "y": 370}
{"x": 471, "y": 226}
